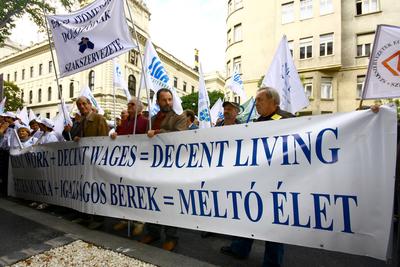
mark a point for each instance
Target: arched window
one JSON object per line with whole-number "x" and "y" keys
{"x": 60, "y": 93}
{"x": 49, "y": 93}
{"x": 40, "y": 95}
{"x": 71, "y": 89}
{"x": 132, "y": 85}
{"x": 91, "y": 80}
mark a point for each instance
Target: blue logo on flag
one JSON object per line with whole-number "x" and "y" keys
{"x": 237, "y": 79}
{"x": 157, "y": 70}
{"x": 84, "y": 44}
{"x": 204, "y": 115}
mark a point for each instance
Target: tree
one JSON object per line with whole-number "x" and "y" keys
{"x": 10, "y": 10}
{"x": 13, "y": 94}
{"x": 190, "y": 101}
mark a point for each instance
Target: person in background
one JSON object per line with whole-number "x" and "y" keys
{"x": 190, "y": 117}
{"x": 48, "y": 135}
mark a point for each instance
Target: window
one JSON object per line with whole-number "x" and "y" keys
{"x": 175, "y": 82}
{"x": 8, "y": 77}
{"x": 237, "y": 99}
{"x": 71, "y": 89}
{"x": 287, "y": 13}
{"x": 326, "y": 44}
{"x": 50, "y": 66}
{"x": 228, "y": 38}
{"x": 132, "y": 85}
{"x": 31, "y": 72}
{"x": 306, "y": 48}
{"x": 364, "y": 45}
{"x": 91, "y": 80}
{"x": 230, "y": 7}
{"x": 22, "y": 95}
{"x": 325, "y": 7}
{"x": 23, "y": 74}
{"x": 237, "y": 64}
{"x": 15, "y": 76}
{"x": 308, "y": 88}
{"x": 290, "y": 45}
{"x": 133, "y": 57}
{"x": 366, "y": 6}
{"x": 40, "y": 95}
{"x": 30, "y": 96}
{"x": 48, "y": 115}
{"x": 360, "y": 86}
{"x": 228, "y": 68}
{"x": 184, "y": 86}
{"x": 40, "y": 69}
{"x": 60, "y": 91}
{"x": 326, "y": 88}
{"x": 237, "y": 33}
{"x": 306, "y": 9}
{"x": 192, "y": 89}
{"x": 49, "y": 93}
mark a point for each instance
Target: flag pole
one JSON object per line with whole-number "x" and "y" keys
{"x": 143, "y": 72}
{"x": 251, "y": 111}
{"x": 55, "y": 70}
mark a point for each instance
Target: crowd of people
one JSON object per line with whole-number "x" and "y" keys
{"x": 133, "y": 120}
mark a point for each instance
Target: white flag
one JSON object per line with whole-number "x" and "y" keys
{"x": 89, "y": 95}
{"x": 248, "y": 111}
{"x": 217, "y": 111}
{"x": 23, "y": 116}
{"x": 383, "y": 76}
{"x": 282, "y": 76}
{"x": 203, "y": 104}
{"x": 236, "y": 84}
{"x": 156, "y": 76}
{"x": 154, "y": 108}
{"x": 60, "y": 121}
{"x": 118, "y": 79}
{"x": 32, "y": 115}
{"x": 90, "y": 36}
{"x": 3, "y": 105}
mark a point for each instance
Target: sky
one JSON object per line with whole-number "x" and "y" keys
{"x": 177, "y": 26}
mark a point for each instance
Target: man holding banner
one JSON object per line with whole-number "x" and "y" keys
{"x": 165, "y": 121}
{"x": 267, "y": 105}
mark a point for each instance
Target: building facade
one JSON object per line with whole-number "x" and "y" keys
{"x": 330, "y": 40}
{"x": 32, "y": 70}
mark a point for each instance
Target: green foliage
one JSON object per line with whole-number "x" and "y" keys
{"x": 190, "y": 101}
{"x": 13, "y": 94}
{"x": 10, "y": 10}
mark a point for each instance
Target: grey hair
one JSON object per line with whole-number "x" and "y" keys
{"x": 271, "y": 93}
{"x": 137, "y": 103}
{"x": 83, "y": 98}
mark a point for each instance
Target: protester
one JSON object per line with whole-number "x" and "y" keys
{"x": 7, "y": 130}
{"x": 190, "y": 118}
{"x": 35, "y": 129}
{"x": 24, "y": 135}
{"x": 124, "y": 115}
{"x": 267, "y": 105}
{"x": 48, "y": 135}
{"x": 166, "y": 120}
{"x": 231, "y": 110}
{"x": 126, "y": 128}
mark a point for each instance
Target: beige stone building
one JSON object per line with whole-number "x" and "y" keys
{"x": 330, "y": 40}
{"x": 32, "y": 70}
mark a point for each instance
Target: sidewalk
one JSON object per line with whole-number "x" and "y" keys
{"x": 28, "y": 232}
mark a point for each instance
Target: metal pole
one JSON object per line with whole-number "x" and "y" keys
{"x": 251, "y": 111}
{"x": 55, "y": 70}
{"x": 143, "y": 71}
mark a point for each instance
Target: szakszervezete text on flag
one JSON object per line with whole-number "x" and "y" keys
{"x": 383, "y": 75}
{"x": 292, "y": 181}
{"x": 90, "y": 36}
{"x": 282, "y": 75}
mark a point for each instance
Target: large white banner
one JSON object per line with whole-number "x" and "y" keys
{"x": 383, "y": 76}
{"x": 323, "y": 181}
{"x": 90, "y": 36}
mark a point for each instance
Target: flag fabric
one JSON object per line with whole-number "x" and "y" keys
{"x": 89, "y": 95}
{"x": 217, "y": 111}
{"x": 383, "y": 75}
{"x": 3, "y": 105}
{"x": 23, "y": 116}
{"x": 248, "y": 111}
{"x": 32, "y": 115}
{"x": 282, "y": 76}
{"x": 59, "y": 120}
{"x": 236, "y": 84}
{"x": 90, "y": 36}
{"x": 118, "y": 79}
{"x": 153, "y": 108}
{"x": 156, "y": 77}
{"x": 203, "y": 103}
